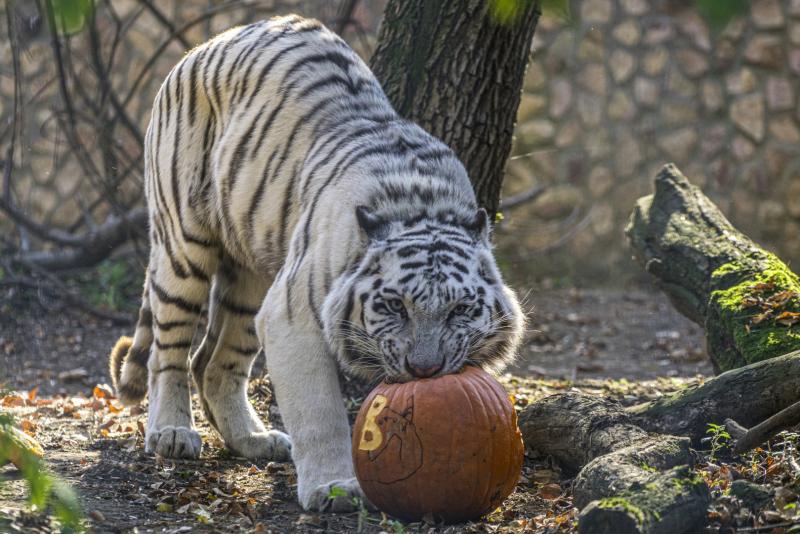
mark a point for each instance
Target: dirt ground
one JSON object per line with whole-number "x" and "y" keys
{"x": 629, "y": 345}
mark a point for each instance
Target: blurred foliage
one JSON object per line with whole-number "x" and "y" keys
{"x": 115, "y": 284}
{"x": 718, "y": 13}
{"x": 70, "y": 15}
{"x": 45, "y": 492}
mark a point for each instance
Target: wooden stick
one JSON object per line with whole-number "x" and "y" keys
{"x": 765, "y": 430}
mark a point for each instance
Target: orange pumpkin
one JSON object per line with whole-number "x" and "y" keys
{"x": 447, "y": 447}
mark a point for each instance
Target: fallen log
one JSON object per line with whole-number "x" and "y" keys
{"x": 633, "y": 464}
{"x": 745, "y": 297}
{"x": 748, "y": 395}
{"x": 629, "y": 480}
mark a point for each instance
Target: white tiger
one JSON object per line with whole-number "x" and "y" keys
{"x": 286, "y": 194}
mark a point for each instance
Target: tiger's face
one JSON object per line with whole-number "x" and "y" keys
{"x": 426, "y": 299}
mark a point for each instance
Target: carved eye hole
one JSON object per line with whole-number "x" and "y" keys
{"x": 396, "y": 306}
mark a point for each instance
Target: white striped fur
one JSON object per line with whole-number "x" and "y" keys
{"x": 287, "y": 195}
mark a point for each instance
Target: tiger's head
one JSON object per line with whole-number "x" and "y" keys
{"x": 426, "y": 299}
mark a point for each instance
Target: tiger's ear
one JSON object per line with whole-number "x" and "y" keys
{"x": 479, "y": 225}
{"x": 373, "y": 226}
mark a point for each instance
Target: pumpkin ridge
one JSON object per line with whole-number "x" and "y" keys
{"x": 503, "y": 405}
{"x": 490, "y": 453}
{"x": 472, "y": 417}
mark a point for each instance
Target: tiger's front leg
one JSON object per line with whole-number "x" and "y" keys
{"x": 306, "y": 385}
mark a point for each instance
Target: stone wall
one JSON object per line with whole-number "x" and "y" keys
{"x": 629, "y": 85}
{"x": 48, "y": 182}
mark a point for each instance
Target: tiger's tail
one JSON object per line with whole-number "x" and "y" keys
{"x": 128, "y": 358}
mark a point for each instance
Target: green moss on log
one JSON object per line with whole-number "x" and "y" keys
{"x": 753, "y": 313}
{"x": 674, "y": 501}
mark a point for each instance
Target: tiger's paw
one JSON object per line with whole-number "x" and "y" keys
{"x": 174, "y": 442}
{"x": 270, "y": 445}
{"x": 336, "y": 496}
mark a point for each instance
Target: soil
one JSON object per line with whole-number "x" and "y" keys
{"x": 581, "y": 339}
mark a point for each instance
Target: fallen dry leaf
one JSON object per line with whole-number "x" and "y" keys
{"x": 550, "y": 492}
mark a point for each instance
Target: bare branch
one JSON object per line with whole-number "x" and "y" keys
{"x": 345, "y": 15}
{"x": 61, "y": 290}
{"x": 762, "y": 432}
{"x": 95, "y": 246}
{"x": 522, "y": 198}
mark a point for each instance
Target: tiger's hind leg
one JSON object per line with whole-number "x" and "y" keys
{"x": 221, "y": 366}
{"x": 178, "y": 290}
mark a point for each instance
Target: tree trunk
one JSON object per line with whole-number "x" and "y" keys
{"x": 746, "y": 298}
{"x": 452, "y": 68}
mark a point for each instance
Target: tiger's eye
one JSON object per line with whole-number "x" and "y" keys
{"x": 396, "y": 305}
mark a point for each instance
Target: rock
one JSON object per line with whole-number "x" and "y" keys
{"x": 794, "y": 60}
{"x": 601, "y": 180}
{"x": 568, "y": 133}
{"x": 794, "y": 33}
{"x": 740, "y": 82}
{"x": 784, "y": 129}
{"x": 635, "y": 7}
{"x": 742, "y": 148}
{"x": 621, "y": 106}
{"x": 779, "y": 93}
{"x": 772, "y": 215}
{"x": 655, "y": 60}
{"x": 692, "y": 63}
{"x": 596, "y": 11}
{"x": 713, "y": 99}
{"x": 560, "y": 97}
{"x": 726, "y": 54}
{"x": 592, "y": 47}
{"x": 692, "y": 24}
{"x": 753, "y": 496}
{"x": 536, "y": 132}
{"x": 628, "y": 32}
{"x": 535, "y": 77}
{"x": 627, "y": 153}
{"x": 558, "y": 54}
{"x": 765, "y": 51}
{"x": 678, "y": 144}
{"x": 734, "y": 29}
{"x": 714, "y": 138}
{"x": 794, "y": 8}
{"x": 557, "y": 202}
{"x": 677, "y": 112}
{"x": 747, "y": 113}
{"x": 658, "y": 31}
{"x": 590, "y": 109}
{"x": 792, "y": 197}
{"x": 593, "y": 78}
{"x": 621, "y": 64}
{"x": 645, "y": 91}
{"x": 530, "y": 106}
{"x": 597, "y": 143}
{"x": 680, "y": 85}
{"x": 602, "y": 219}
{"x": 766, "y": 14}
{"x": 778, "y": 157}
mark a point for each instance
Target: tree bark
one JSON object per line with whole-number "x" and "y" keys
{"x": 744, "y": 297}
{"x": 455, "y": 70}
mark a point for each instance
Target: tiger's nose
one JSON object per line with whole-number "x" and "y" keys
{"x": 419, "y": 371}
